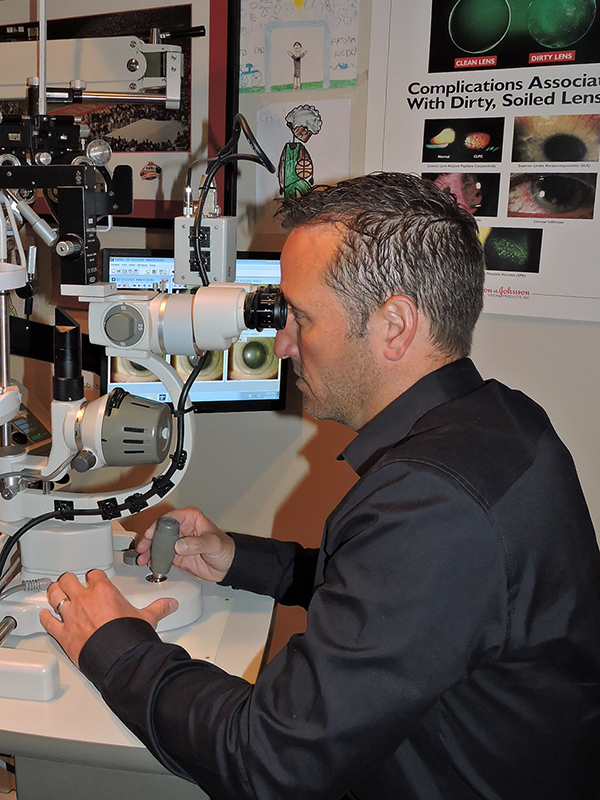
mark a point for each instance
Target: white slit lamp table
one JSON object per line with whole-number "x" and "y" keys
{"x": 73, "y": 747}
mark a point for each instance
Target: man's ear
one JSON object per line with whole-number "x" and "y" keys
{"x": 398, "y": 318}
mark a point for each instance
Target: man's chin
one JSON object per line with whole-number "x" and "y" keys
{"x": 312, "y": 408}
{"x": 309, "y": 405}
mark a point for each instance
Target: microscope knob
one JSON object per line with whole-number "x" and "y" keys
{"x": 83, "y": 461}
{"x": 68, "y": 248}
{"x": 163, "y": 548}
{"x": 120, "y": 327}
{"x": 124, "y": 325}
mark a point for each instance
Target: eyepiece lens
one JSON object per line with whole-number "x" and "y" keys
{"x": 265, "y": 308}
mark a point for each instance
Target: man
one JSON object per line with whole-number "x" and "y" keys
{"x": 452, "y": 649}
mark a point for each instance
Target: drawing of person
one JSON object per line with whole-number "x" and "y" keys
{"x": 297, "y": 57}
{"x": 295, "y": 172}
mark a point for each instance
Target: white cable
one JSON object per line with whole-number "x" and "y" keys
{"x": 16, "y": 236}
{"x": 36, "y": 585}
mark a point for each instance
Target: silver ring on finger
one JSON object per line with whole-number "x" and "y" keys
{"x": 60, "y": 603}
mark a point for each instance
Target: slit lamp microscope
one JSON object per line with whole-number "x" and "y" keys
{"x": 46, "y": 528}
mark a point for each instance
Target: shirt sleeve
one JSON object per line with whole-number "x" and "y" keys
{"x": 414, "y": 597}
{"x": 282, "y": 570}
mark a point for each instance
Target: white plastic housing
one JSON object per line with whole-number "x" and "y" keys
{"x": 55, "y": 547}
{"x": 177, "y": 324}
{"x": 10, "y": 403}
{"x": 131, "y": 581}
{"x": 12, "y": 276}
{"x": 28, "y": 675}
{"x": 220, "y": 249}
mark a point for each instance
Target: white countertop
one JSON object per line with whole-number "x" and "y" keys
{"x": 76, "y": 724}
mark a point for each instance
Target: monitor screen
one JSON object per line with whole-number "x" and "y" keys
{"x": 247, "y": 377}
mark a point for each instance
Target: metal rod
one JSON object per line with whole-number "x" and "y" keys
{"x": 42, "y": 44}
{"x": 65, "y": 96}
{"x": 4, "y": 360}
{"x": 124, "y": 98}
{"x": 7, "y": 626}
{"x": 4, "y": 342}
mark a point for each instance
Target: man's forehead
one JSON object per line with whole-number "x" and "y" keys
{"x": 311, "y": 247}
{"x": 306, "y": 255}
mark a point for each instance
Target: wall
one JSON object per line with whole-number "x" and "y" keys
{"x": 556, "y": 363}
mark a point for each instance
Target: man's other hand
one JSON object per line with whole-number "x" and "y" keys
{"x": 84, "y": 609}
{"x": 203, "y": 549}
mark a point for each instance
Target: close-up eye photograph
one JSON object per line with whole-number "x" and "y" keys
{"x": 557, "y": 138}
{"x": 562, "y": 195}
{"x": 299, "y": 389}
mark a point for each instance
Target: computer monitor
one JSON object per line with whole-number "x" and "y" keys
{"x": 247, "y": 377}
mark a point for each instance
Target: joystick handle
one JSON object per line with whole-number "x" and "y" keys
{"x": 163, "y": 549}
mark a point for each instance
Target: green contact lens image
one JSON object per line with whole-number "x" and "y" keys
{"x": 560, "y": 23}
{"x": 476, "y": 26}
{"x": 512, "y": 250}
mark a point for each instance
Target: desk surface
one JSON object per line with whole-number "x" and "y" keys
{"x": 77, "y": 726}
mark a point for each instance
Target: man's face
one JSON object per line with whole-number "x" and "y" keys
{"x": 337, "y": 372}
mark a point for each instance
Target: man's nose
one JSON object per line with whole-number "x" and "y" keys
{"x": 286, "y": 345}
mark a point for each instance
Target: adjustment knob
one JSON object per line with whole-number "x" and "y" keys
{"x": 120, "y": 326}
{"x": 83, "y": 461}
{"x": 124, "y": 325}
{"x": 68, "y": 248}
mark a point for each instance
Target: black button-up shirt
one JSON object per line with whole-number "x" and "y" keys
{"x": 452, "y": 649}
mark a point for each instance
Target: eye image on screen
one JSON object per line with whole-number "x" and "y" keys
{"x": 211, "y": 371}
{"x": 511, "y": 249}
{"x": 124, "y": 370}
{"x": 471, "y": 34}
{"x": 253, "y": 359}
{"x": 477, "y": 192}
{"x": 572, "y": 137}
{"x": 463, "y": 140}
{"x": 560, "y": 196}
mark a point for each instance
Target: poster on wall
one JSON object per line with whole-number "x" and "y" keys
{"x": 498, "y": 101}
{"x": 298, "y": 45}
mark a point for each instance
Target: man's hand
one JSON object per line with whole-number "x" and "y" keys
{"x": 84, "y": 609}
{"x": 202, "y": 549}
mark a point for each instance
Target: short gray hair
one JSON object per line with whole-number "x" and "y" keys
{"x": 400, "y": 235}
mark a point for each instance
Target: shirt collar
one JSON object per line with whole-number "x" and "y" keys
{"x": 395, "y": 422}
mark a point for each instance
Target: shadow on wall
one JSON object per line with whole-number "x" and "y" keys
{"x": 302, "y": 516}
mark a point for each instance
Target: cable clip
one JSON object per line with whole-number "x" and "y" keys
{"x": 109, "y": 509}
{"x": 162, "y": 486}
{"x": 64, "y": 509}
{"x": 135, "y": 503}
